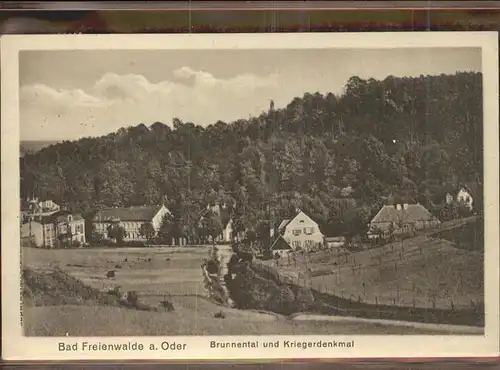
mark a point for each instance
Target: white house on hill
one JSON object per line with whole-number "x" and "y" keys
{"x": 301, "y": 232}
{"x": 464, "y": 197}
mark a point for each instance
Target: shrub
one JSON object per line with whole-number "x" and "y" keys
{"x": 133, "y": 298}
{"x": 115, "y": 291}
{"x": 167, "y": 305}
{"x": 220, "y": 315}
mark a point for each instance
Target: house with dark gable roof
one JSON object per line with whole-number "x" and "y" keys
{"x": 401, "y": 218}
{"x": 130, "y": 218}
{"x": 299, "y": 232}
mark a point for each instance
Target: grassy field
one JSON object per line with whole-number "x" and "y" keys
{"x": 423, "y": 271}
{"x": 191, "y": 317}
{"x": 174, "y": 272}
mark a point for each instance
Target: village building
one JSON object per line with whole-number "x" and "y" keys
{"x": 131, "y": 219}
{"x": 70, "y": 226}
{"x": 335, "y": 241}
{"x": 50, "y": 231}
{"x": 401, "y": 218}
{"x": 464, "y": 195}
{"x": 300, "y": 232}
{"x": 222, "y": 214}
{"x": 449, "y": 198}
{"x": 281, "y": 247}
{"x": 40, "y": 233}
{"x": 33, "y": 208}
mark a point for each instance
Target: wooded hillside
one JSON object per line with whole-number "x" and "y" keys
{"x": 338, "y": 158}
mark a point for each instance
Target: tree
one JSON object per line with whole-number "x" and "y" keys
{"x": 211, "y": 227}
{"x": 147, "y": 231}
{"x": 116, "y": 232}
{"x": 408, "y": 136}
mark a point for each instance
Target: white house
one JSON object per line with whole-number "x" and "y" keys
{"x": 130, "y": 218}
{"x": 464, "y": 197}
{"x": 301, "y": 232}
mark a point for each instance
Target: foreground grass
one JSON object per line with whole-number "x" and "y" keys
{"x": 113, "y": 321}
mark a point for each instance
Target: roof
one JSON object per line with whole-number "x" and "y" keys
{"x": 283, "y": 223}
{"x": 62, "y": 215}
{"x": 280, "y": 244}
{"x": 474, "y": 189}
{"x": 134, "y": 213}
{"x": 414, "y": 212}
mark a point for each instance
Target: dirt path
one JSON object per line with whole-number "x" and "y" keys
{"x": 455, "y": 329}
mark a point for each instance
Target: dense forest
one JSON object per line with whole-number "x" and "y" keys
{"x": 338, "y": 158}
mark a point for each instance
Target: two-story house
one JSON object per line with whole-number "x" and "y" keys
{"x": 40, "y": 233}
{"x": 69, "y": 225}
{"x": 130, "y": 218}
{"x": 301, "y": 232}
{"x": 49, "y": 230}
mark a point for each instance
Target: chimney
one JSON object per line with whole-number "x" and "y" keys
{"x": 405, "y": 206}
{"x": 398, "y": 207}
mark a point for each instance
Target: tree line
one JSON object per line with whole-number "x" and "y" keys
{"x": 339, "y": 158}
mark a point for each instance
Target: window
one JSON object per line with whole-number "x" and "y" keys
{"x": 296, "y": 244}
{"x": 70, "y": 218}
{"x": 308, "y": 230}
{"x": 296, "y": 232}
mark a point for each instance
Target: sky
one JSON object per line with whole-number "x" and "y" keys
{"x": 66, "y": 95}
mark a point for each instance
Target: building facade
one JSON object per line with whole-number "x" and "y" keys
{"x": 464, "y": 197}
{"x": 130, "y": 219}
{"x": 71, "y": 226}
{"x": 57, "y": 229}
{"x": 401, "y": 218}
{"x": 301, "y": 232}
{"x": 40, "y": 234}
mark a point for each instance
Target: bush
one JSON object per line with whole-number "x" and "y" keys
{"x": 115, "y": 291}
{"x": 167, "y": 305}
{"x": 213, "y": 266}
{"x": 220, "y": 315}
{"x": 133, "y": 298}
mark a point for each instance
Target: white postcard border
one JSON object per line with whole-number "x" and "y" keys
{"x": 15, "y": 346}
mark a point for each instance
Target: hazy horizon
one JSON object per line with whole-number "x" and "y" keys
{"x": 67, "y": 95}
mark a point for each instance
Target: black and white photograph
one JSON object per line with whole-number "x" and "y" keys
{"x": 253, "y": 191}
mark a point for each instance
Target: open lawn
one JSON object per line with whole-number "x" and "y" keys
{"x": 174, "y": 271}
{"x": 175, "y": 274}
{"x": 192, "y": 317}
{"x": 423, "y": 271}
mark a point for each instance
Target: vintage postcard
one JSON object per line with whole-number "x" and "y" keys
{"x": 250, "y": 196}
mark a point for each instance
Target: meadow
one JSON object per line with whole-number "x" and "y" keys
{"x": 421, "y": 272}
{"x": 156, "y": 274}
